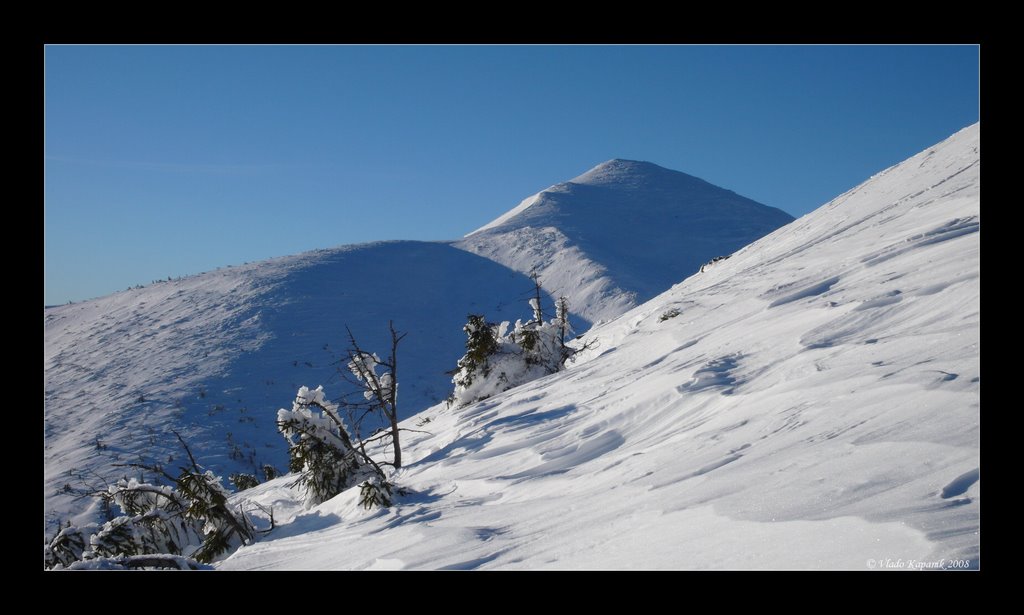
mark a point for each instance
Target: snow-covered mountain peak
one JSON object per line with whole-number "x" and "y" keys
{"x": 620, "y": 233}
{"x": 620, "y": 170}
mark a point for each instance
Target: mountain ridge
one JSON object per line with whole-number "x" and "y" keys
{"x": 621, "y": 232}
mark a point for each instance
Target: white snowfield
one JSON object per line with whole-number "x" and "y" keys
{"x": 810, "y": 403}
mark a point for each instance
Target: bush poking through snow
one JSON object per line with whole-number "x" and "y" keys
{"x": 242, "y": 481}
{"x": 713, "y": 261}
{"x": 497, "y": 360}
{"x": 183, "y": 525}
{"x": 320, "y": 448}
{"x": 67, "y": 546}
{"x": 269, "y": 472}
{"x": 136, "y": 562}
{"x": 669, "y": 313}
{"x": 326, "y": 456}
{"x": 375, "y": 493}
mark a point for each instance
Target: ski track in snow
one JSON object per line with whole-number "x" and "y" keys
{"x": 814, "y": 404}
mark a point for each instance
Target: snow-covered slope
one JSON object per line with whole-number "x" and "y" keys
{"x": 215, "y": 355}
{"x": 621, "y": 233}
{"x": 812, "y": 402}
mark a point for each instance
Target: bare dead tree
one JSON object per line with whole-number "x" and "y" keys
{"x": 379, "y": 391}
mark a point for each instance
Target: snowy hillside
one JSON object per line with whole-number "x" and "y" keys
{"x": 215, "y": 355}
{"x": 621, "y": 233}
{"x": 812, "y": 402}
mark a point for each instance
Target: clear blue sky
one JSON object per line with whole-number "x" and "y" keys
{"x": 170, "y": 160}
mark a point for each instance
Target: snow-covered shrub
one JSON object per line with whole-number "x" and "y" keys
{"x": 223, "y": 530}
{"x": 189, "y": 522}
{"x": 375, "y": 492}
{"x": 713, "y": 261}
{"x": 669, "y": 313}
{"x": 497, "y": 359}
{"x": 152, "y": 521}
{"x": 160, "y": 561}
{"x": 269, "y": 472}
{"x": 320, "y": 448}
{"x": 482, "y": 343}
{"x": 67, "y": 546}
{"x": 242, "y": 481}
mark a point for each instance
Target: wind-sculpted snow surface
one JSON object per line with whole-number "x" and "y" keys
{"x": 810, "y": 403}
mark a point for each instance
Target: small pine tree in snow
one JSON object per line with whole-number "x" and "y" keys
{"x": 153, "y": 521}
{"x": 242, "y": 481}
{"x": 481, "y": 344}
{"x": 161, "y": 525}
{"x": 223, "y": 530}
{"x": 155, "y": 561}
{"x": 497, "y": 359}
{"x": 322, "y": 451}
{"x": 269, "y": 472}
{"x": 67, "y": 546}
{"x": 375, "y": 492}
{"x": 320, "y": 448}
